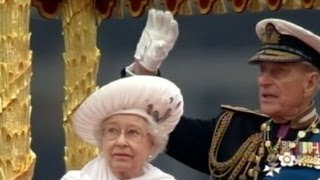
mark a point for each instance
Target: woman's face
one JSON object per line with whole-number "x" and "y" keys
{"x": 126, "y": 144}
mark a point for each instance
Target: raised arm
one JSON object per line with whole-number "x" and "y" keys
{"x": 157, "y": 40}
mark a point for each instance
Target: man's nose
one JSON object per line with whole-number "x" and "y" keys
{"x": 264, "y": 79}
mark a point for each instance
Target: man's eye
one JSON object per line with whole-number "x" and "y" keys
{"x": 278, "y": 73}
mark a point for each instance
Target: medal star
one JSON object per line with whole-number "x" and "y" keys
{"x": 271, "y": 170}
{"x": 287, "y": 159}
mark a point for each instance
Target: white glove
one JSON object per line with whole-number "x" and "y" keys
{"x": 157, "y": 39}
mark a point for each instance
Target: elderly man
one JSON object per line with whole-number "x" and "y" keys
{"x": 281, "y": 142}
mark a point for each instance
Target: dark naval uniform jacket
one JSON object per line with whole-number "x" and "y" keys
{"x": 219, "y": 146}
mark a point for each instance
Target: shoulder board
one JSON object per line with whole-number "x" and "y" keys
{"x": 241, "y": 109}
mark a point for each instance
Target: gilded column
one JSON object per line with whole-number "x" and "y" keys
{"x": 81, "y": 61}
{"x": 16, "y": 157}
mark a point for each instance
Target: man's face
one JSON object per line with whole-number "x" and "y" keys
{"x": 282, "y": 89}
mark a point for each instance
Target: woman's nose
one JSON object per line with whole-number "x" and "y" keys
{"x": 121, "y": 140}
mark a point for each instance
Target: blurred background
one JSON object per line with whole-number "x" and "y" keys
{"x": 208, "y": 62}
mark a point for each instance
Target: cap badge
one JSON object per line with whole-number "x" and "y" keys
{"x": 270, "y": 35}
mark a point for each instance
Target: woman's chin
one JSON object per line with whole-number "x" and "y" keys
{"x": 121, "y": 166}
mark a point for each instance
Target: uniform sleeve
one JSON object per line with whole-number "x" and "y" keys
{"x": 71, "y": 175}
{"x": 190, "y": 143}
{"x": 125, "y": 72}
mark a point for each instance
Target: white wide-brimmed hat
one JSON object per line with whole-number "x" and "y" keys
{"x": 156, "y": 99}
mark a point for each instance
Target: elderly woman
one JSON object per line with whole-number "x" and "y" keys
{"x": 129, "y": 120}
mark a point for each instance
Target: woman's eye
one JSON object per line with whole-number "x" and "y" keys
{"x": 112, "y": 130}
{"x": 133, "y": 132}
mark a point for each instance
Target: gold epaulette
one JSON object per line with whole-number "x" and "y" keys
{"x": 242, "y": 109}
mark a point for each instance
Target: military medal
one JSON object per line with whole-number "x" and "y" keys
{"x": 291, "y": 153}
{"x": 287, "y": 159}
{"x": 272, "y": 169}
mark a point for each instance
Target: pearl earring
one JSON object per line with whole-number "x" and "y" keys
{"x": 150, "y": 156}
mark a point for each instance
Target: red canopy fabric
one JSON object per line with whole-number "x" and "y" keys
{"x": 108, "y": 8}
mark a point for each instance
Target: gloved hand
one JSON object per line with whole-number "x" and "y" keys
{"x": 157, "y": 39}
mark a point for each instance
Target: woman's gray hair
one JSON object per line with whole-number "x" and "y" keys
{"x": 98, "y": 133}
{"x": 160, "y": 141}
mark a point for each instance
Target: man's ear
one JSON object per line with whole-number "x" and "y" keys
{"x": 312, "y": 83}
